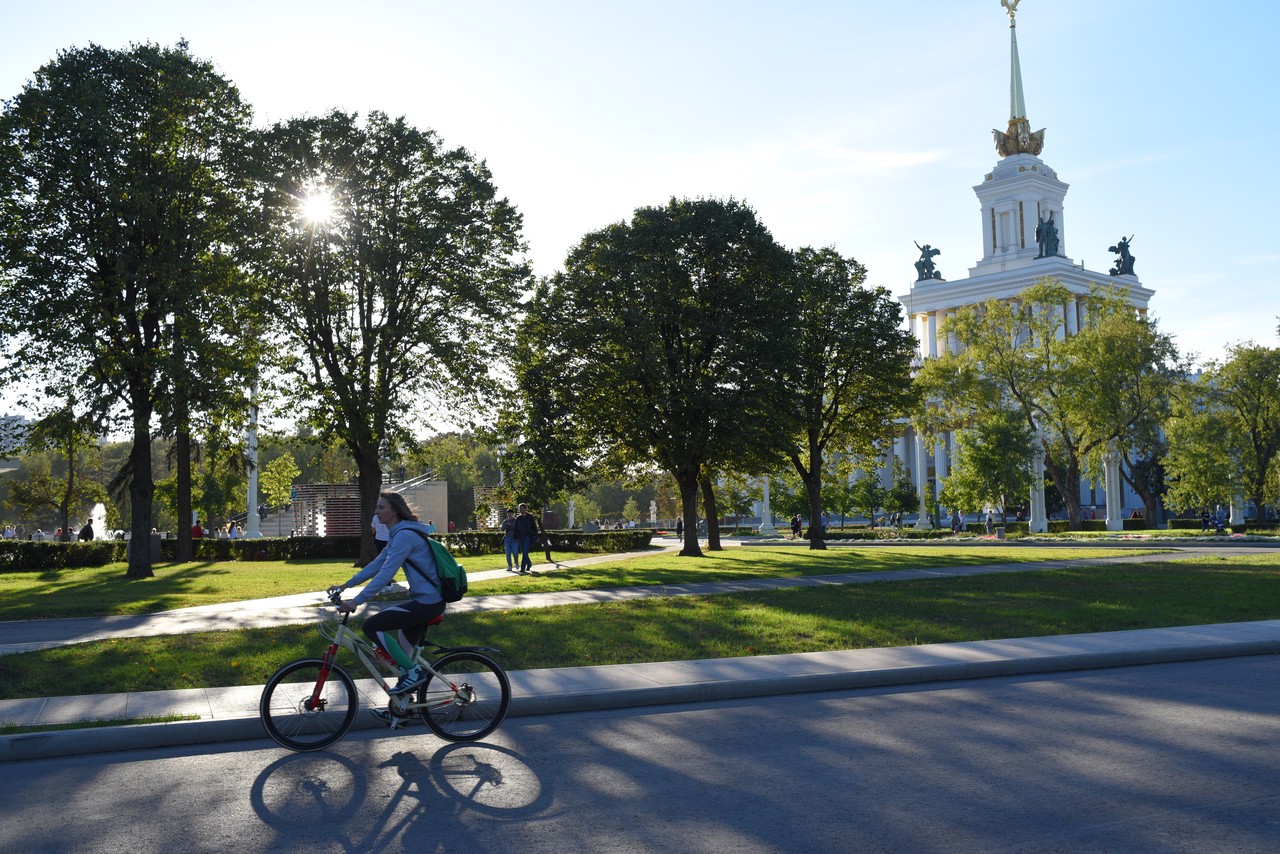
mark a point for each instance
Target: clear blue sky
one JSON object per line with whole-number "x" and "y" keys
{"x": 857, "y": 124}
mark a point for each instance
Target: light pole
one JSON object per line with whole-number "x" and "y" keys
{"x": 182, "y": 442}
{"x": 252, "y": 522}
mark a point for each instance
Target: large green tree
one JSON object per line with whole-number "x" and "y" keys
{"x": 1224, "y": 439}
{"x": 122, "y": 202}
{"x": 851, "y": 374}
{"x": 1080, "y": 394}
{"x": 397, "y": 268}
{"x": 662, "y": 342}
{"x": 993, "y": 464}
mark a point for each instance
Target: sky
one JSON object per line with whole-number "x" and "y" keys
{"x": 847, "y": 123}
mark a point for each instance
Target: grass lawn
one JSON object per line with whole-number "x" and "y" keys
{"x": 102, "y": 591}
{"x": 1073, "y": 600}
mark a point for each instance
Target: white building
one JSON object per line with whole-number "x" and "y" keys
{"x": 1024, "y": 239}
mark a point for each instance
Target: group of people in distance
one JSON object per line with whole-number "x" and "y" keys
{"x": 519, "y": 530}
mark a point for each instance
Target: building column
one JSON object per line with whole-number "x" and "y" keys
{"x": 1072, "y": 322}
{"x": 1237, "y": 510}
{"x": 766, "y": 514}
{"x": 1039, "y": 522}
{"x": 932, "y": 332}
{"x": 922, "y": 482}
{"x": 1115, "y": 490}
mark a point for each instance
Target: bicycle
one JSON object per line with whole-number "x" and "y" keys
{"x": 311, "y": 703}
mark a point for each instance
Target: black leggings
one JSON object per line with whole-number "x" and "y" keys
{"x": 404, "y": 623}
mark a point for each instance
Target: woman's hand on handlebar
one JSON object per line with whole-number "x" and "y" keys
{"x": 346, "y": 606}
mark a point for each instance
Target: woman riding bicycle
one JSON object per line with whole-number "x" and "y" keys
{"x": 398, "y": 628}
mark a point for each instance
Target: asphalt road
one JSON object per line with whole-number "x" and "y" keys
{"x": 1163, "y": 758}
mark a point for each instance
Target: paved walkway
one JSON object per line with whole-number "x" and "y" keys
{"x": 227, "y": 714}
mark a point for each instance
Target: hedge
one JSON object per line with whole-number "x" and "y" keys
{"x": 30, "y": 556}
{"x": 490, "y": 542}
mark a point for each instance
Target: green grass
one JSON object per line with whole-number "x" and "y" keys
{"x": 740, "y": 563}
{"x": 1074, "y": 600}
{"x": 104, "y": 590}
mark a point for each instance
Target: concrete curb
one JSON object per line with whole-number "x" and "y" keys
{"x": 578, "y": 689}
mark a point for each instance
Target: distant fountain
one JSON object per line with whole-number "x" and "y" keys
{"x": 99, "y": 519}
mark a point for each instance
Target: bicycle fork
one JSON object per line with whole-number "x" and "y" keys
{"x": 326, "y": 666}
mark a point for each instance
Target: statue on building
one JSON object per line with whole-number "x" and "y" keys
{"x": 1047, "y": 237}
{"x": 1124, "y": 264}
{"x": 925, "y": 268}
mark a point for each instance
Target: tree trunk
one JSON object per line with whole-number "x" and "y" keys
{"x": 141, "y": 492}
{"x": 182, "y": 451}
{"x": 369, "y": 479}
{"x": 688, "y": 483}
{"x": 1069, "y": 474}
{"x": 813, "y": 486}
{"x": 64, "y": 508}
{"x": 713, "y": 515}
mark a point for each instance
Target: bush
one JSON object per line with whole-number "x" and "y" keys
{"x": 490, "y": 542}
{"x": 28, "y": 556}
{"x": 31, "y": 556}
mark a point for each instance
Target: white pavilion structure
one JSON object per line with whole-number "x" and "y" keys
{"x": 1024, "y": 239}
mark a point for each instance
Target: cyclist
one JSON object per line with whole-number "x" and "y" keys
{"x": 398, "y": 628}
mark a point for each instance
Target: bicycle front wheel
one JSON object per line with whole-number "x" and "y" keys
{"x": 301, "y": 716}
{"x": 468, "y": 699}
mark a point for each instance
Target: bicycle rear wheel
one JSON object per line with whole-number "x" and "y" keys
{"x": 468, "y": 699}
{"x": 294, "y": 720}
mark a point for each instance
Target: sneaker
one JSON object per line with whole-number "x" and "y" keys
{"x": 385, "y": 716}
{"x": 411, "y": 680}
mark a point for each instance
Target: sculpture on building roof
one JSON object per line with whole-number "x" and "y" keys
{"x": 925, "y": 268}
{"x": 1047, "y": 237}
{"x": 1124, "y": 264}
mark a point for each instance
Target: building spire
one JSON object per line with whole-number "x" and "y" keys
{"x": 1017, "y": 107}
{"x": 1018, "y": 139}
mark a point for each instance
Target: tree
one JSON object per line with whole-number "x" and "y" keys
{"x": 1079, "y": 394}
{"x": 993, "y": 463}
{"x": 398, "y": 269}
{"x": 852, "y": 372}
{"x": 902, "y": 496}
{"x": 666, "y": 335}
{"x": 1225, "y": 439}
{"x": 867, "y": 494}
{"x": 123, "y": 192}
{"x": 71, "y": 437}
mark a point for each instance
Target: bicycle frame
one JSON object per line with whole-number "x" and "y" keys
{"x": 343, "y": 636}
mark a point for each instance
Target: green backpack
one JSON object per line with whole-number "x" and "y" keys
{"x": 453, "y": 578}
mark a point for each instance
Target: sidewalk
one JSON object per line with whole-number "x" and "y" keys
{"x": 230, "y": 714}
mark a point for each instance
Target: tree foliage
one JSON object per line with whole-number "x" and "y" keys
{"x": 659, "y": 343}
{"x": 993, "y": 464}
{"x": 851, "y": 373}
{"x": 123, "y": 192}
{"x": 1224, "y": 438}
{"x": 401, "y": 293}
{"x": 1079, "y": 393}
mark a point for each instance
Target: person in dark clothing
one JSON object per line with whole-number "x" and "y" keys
{"x": 526, "y": 530}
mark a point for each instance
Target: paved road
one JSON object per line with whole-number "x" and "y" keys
{"x": 1166, "y": 758}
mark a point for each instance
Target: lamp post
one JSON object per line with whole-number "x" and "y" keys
{"x": 182, "y": 441}
{"x": 251, "y": 439}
